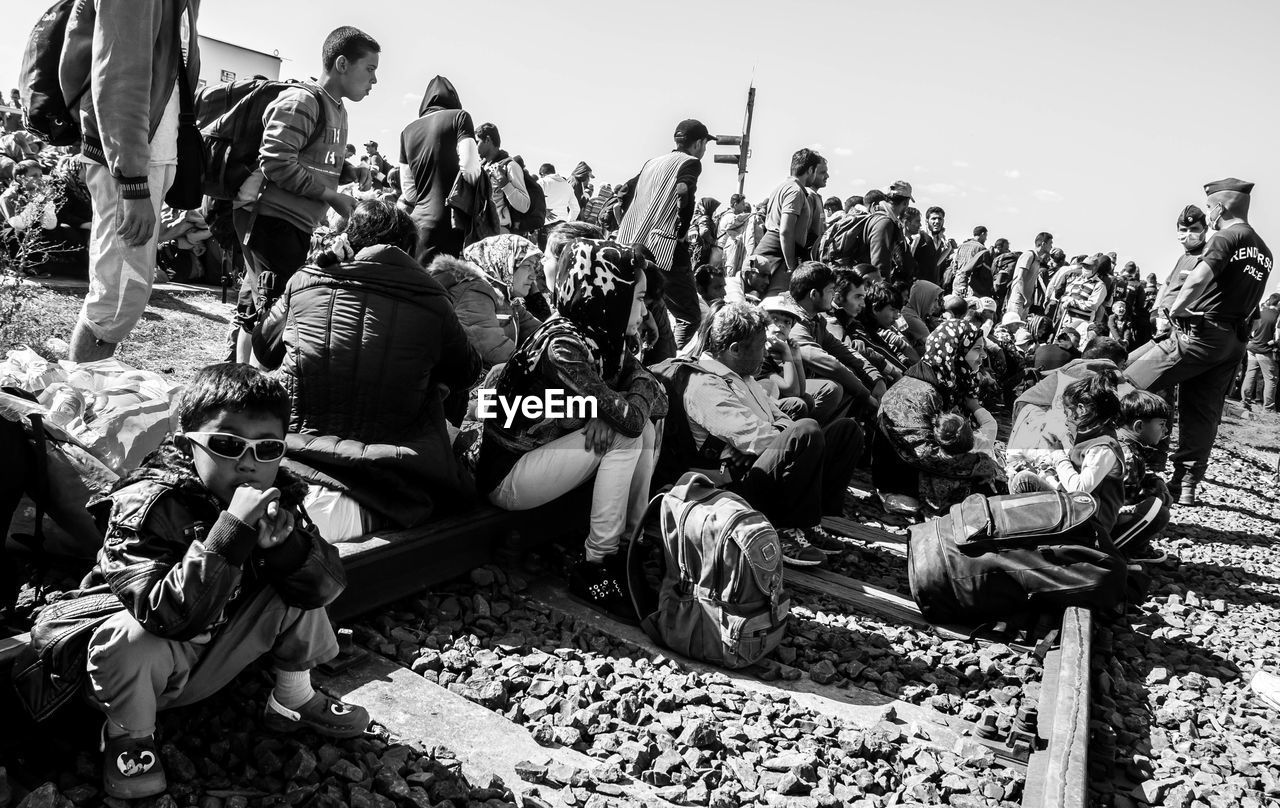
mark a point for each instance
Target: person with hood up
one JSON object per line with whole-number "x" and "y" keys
{"x": 368, "y": 345}
{"x": 530, "y": 458}
{"x": 486, "y": 288}
{"x": 434, "y": 150}
{"x": 924, "y": 306}
{"x": 907, "y": 460}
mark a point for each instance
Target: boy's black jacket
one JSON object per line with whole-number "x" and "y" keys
{"x": 179, "y": 564}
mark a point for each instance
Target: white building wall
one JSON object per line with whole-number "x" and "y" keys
{"x": 222, "y": 62}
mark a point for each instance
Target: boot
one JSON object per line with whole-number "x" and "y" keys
{"x": 1187, "y": 494}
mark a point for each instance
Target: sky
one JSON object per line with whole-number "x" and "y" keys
{"x": 1094, "y": 120}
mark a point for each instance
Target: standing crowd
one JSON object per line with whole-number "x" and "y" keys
{"x": 781, "y": 348}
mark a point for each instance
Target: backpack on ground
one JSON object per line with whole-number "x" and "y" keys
{"x": 721, "y": 598}
{"x": 845, "y": 244}
{"x": 48, "y": 114}
{"x": 527, "y": 223}
{"x": 230, "y": 118}
{"x": 990, "y": 558}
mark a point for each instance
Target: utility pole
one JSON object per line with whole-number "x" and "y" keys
{"x": 743, "y": 141}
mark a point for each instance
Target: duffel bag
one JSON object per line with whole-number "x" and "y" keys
{"x": 990, "y": 558}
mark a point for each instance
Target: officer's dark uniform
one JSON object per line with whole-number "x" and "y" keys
{"x": 1213, "y": 341}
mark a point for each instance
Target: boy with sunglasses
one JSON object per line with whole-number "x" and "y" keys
{"x": 215, "y": 564}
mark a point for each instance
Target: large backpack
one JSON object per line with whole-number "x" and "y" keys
{"x": 721, "y": 599}
{"x": 527, "y": 223}
{"x": 991, "y": 558}
{"x": 48, "y": 113}
{"x": 679, "y": 452}
{"x": 230, "y": 118}
{"x": 845, "y": 244}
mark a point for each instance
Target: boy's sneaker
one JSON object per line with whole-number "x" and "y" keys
{"x": 1266, "y": 686}
{"x": 824, "y": 541}
{"x": 596, "y": 586}
{"x": 131, "y": 767}
{"x": 322, "y": 713}
{"x": 1145, "y": 553}
{"x": 1187, "y": 494}
{"x": 796, "y": 549}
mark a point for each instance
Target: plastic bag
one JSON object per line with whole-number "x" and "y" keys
{"x": 27, "y": 370}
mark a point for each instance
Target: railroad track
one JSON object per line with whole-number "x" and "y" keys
{"x": 386, "y": 567}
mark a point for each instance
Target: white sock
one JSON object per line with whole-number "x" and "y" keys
{"x": 293, "y": 688}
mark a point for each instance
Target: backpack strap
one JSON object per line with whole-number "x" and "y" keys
{"x": 635, "y": 559}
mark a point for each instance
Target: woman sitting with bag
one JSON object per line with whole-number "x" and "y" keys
{"x": 367, "y": 345}
{"x": 582, "y": 350}
{"x": 907, "y": 460}
{"x": 487, "y": 288}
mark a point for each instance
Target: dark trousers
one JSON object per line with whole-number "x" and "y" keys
{"x": 1204, "y": 373}
{"x": 275, "y": 250}
{"x": 681, "y": 296}
{"x": 803, "y": 476}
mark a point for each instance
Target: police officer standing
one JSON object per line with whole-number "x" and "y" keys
{"x": 1211, "y": 320}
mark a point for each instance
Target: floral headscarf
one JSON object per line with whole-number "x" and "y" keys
{"x": 944, "y": 357}
{"x": 595, "y": 286}
{"x": 498, "y": 256}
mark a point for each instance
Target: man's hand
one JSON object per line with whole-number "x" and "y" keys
{"x": 342, "y": 203}
{"x": 275, "y": 525}
{"x": 249, "y": 504}
{"x": 878, "y": 391}
{"x": 138, "y": 224}
{"x": 599, "y": 436}
{"x": 738, "y": 463}
{"x": 649, "y": 332}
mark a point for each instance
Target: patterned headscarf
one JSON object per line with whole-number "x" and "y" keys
{"x": 498, "y": 256}
{"x": 944, "y": 356}
{"x": 595, "y": 286}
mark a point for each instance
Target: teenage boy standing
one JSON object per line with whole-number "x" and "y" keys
{"x": 282, "y": 203}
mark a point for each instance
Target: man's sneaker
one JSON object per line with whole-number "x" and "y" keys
{"x": 1266, "y": 686}
{"x": 824, "y": 541}
{"x": 131, "y": 767}
{"x": 322, "y": 713}
{"x": 595, "y": 585}
{"x": 796, "y": 549}
{"x": 1145, "y": 553}
{"x": 1187, "y": 494}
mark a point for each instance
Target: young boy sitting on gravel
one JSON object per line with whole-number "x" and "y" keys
{"x": 1143, "y": 419}
{"x": 214, "y": 565}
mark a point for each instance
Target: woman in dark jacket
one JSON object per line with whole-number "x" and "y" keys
{"x": 702, "y": 231}
{"x": 526, "y": 460}
{"x": 367, "y": 344}
{"x": 907, "y": 459}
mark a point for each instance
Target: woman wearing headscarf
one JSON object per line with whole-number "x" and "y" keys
{"x": 487, "y": 288}
{"x": 527, "y": 460}
{"x": 924, "y": 306}
{"x": 366, "y": 342}
{"x": 907, "y": 458}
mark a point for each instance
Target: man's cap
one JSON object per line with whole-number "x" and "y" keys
{"x": 1229, "y": 184}
{"x": 900, "y": 189}
{"x": 1190, "y": 215}
{"x": 372, "y": 143}
{"x": 785, "y": 304}
{"x": 690, "y": 130}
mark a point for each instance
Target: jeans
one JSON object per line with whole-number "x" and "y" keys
{"x": 621, "y": 489}
{"x": 120, "y": 276}
{"x": 1264, "y": 365}
{"x": 133, "y": 673}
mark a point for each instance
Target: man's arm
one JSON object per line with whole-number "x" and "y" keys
{"x": 124, "y": 41}
{"x": 1192, "y": 289}
{"x": 515, "y": 192}
{"x": 787, "y": 235}
{"x": 880, "y": 240}
{"x": 826, "y": 365}
{"x": 287, "y": 124}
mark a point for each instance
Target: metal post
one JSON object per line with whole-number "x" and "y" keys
{"x": 746, "y": 138}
